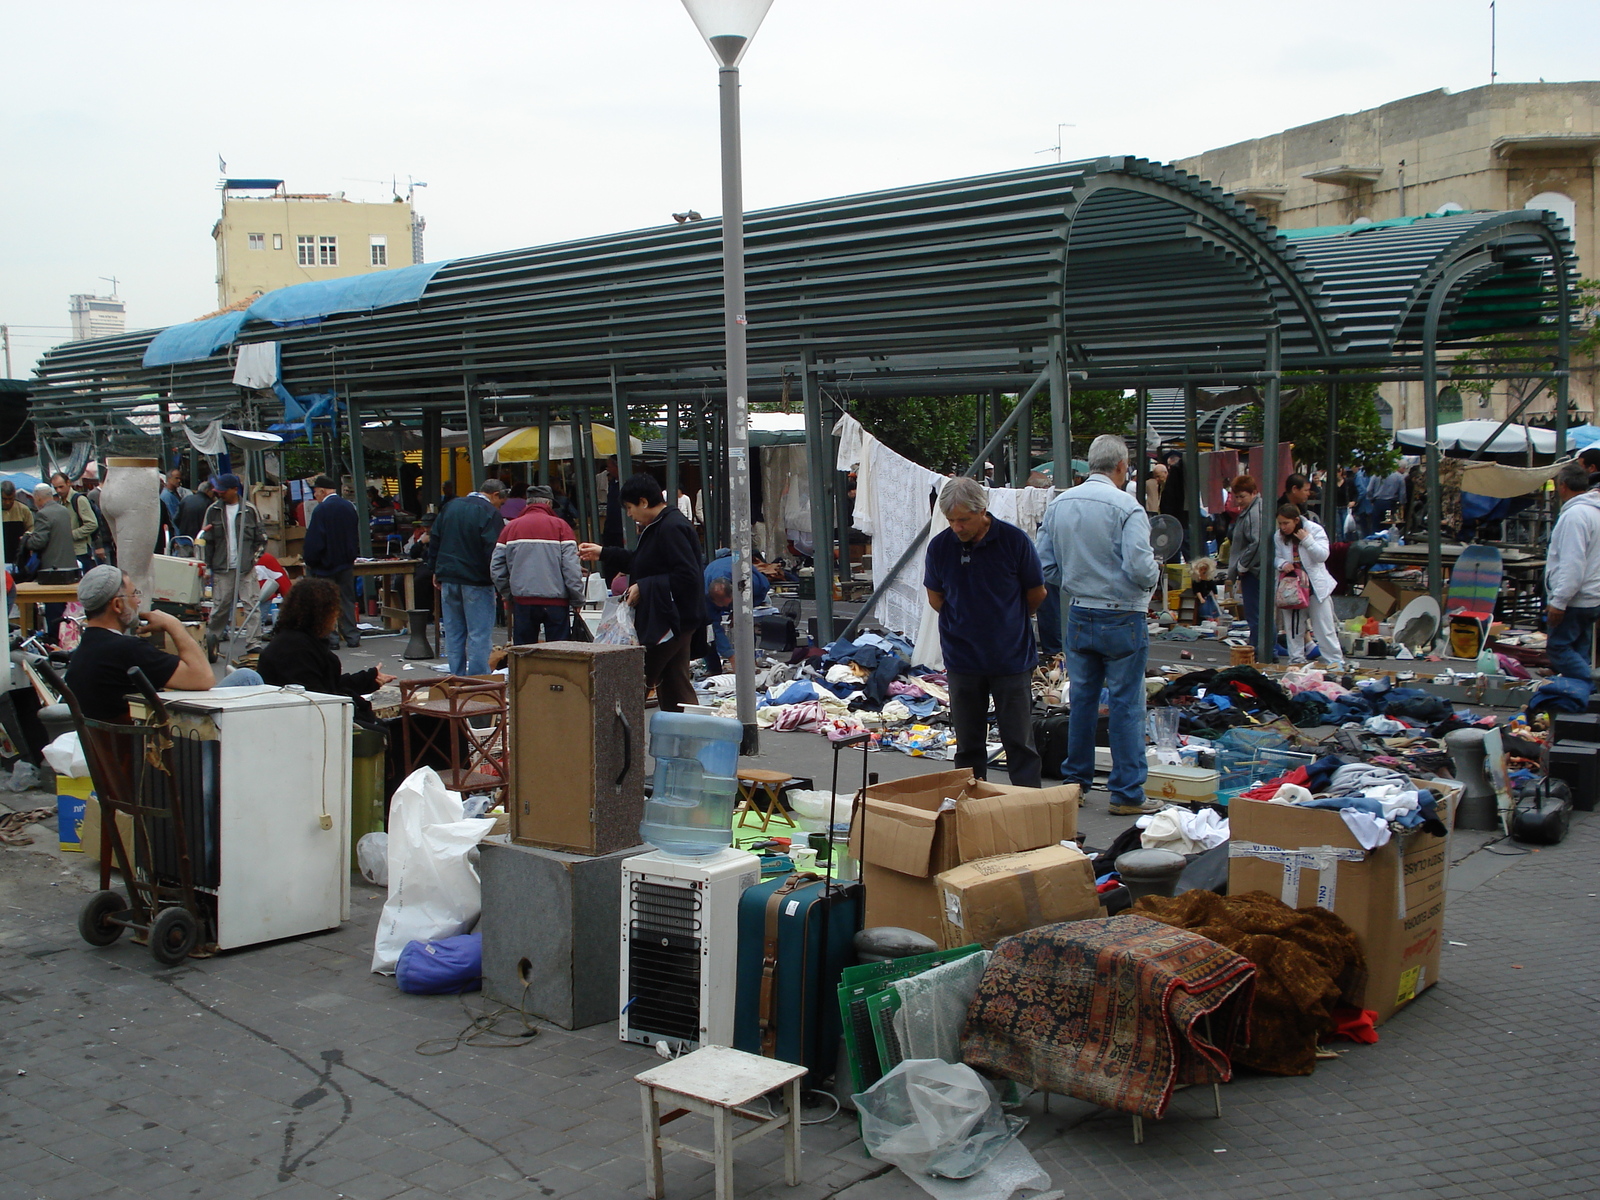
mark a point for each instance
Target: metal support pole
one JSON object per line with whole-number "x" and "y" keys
{"x": 976, "y": 471}
{"x": 544, "y": 445}
{"x": 1060, "y": 415}
{"x": 672, "y": 449}
{"x": 166, "y": 439}
{"x": 744, "y": 628}
{"x": 707, "y": 496}
{"x": 1005, "y": 468}
{"x": 431, "y": 495}
{"x": 1430, "y": 409}
{"x": 475, "y": 468}
{"x": 1330, "y": 487}
{"x": 621, "y": 436}
{"x": 818, "y": 443}
{"x": 583, "y": 483}
{"x": 1267, "y": 566}
{"x": 1023, "y": 455}
{"x": 358, "y": 468}
{"x": 1141, "y": 455}
{"x": 1191, "y": 472}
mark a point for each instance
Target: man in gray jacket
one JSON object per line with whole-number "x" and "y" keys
{"x": 51, "y": 539}
{"x": 535, "y": 566}
{"x": 234, "y": 540}
{"x": 1094, "y": 543}
{"x": 1244, "y": 548}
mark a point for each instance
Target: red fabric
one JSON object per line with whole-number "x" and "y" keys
{"x": 1266, "y": 791}
{"x": 1354, "y": 1025}
{"x": 284, "y": 582}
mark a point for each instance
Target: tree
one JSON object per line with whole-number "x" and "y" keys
{"x": 1303, "y": 420}
{"x": 1533, "y": 349}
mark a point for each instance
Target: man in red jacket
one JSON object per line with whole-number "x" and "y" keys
{"x": 535, "y": 566}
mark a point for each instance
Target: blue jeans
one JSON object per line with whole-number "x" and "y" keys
{"x": 1250, "y": 584}
{"x": 468, "y": 618}
{"x": 1050, "y": 622}
{"x": 1568, "y": 646}
{"x": 243, "y": 677}
{"x": 1107, "y": 649}
{"x": 528, "y": 619}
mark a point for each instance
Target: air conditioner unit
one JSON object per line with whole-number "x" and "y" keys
{"x": 680, "y": 946}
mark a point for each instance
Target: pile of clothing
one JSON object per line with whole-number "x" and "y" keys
{"x": 1373, "y": 800}
{"x": 867, "y": 684}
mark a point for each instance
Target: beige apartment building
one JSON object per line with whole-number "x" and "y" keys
{"x": 1505, "y": 146}
{"x": 268, "y": 238}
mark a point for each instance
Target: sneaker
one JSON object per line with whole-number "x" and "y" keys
{"x": 1134, "y": 810}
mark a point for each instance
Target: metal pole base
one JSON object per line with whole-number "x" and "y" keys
{"x": 418, "y": 619}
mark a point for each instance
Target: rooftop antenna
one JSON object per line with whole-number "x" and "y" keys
{"x": 1057, "y": 147}
{"x": 113, "y": 281}
{"x": 1492, "y": 41}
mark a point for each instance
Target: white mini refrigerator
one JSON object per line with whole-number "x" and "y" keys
{"x": 264, "y": 773}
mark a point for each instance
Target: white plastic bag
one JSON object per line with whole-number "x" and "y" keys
{"x": 434, "y": 891}
{"x": 372, "y": 856}
{"x": 616, "y": 627}
{"x": 934, "y": 1118}
{"x": 65, "y": 757}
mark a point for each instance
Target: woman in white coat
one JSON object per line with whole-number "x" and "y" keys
{"x": 1303, "y": 543}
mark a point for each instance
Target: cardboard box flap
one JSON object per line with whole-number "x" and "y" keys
{"x": 897, "y": 837}
{"x": 991, "y": 820}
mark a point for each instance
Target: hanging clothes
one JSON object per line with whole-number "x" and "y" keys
{"x": 207, "y": 441}
{"x": 257, "y": 365}
{"x": 1285, "y": 464}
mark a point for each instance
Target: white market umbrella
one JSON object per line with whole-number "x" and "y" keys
{"x": 1475, "y": 435}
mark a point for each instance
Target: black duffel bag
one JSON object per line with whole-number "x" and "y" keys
{"x": 1050, "y": 739}
{"x": 1542, "y": 813}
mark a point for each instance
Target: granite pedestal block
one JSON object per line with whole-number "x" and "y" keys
{"x": 550, "y": 922}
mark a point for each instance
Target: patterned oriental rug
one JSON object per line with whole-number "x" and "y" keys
{"x": 1110, "y": 1011}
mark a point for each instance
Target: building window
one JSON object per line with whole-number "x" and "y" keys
{"x": 258, "y": 241}
{"x": 277, "y": 241}
{"x": 307, "y": 250}
{"x": 380, "y": 250}
{"x": 327, "y": 252}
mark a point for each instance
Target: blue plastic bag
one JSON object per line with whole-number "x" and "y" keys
{"x": 448, "y": 966}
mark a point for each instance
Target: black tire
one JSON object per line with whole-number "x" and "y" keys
{"x": 173, "y": 934}
{"x": 94, "y": 918}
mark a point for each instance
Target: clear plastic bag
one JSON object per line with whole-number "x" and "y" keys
{"x": 372, "y": 856}
{"x": 934, "y": 1118}
{"x": 616, "y": 628}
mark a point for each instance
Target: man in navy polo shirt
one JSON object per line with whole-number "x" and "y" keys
{"x": 984, "y": 580}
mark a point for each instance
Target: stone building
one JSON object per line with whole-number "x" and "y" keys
{"x": 270, "y": 238}
{"x": 1505, "y": 146}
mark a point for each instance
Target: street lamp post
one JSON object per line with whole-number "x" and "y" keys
{"x": 728, "y": 26}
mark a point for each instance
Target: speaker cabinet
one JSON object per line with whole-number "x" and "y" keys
{"x": 577, "y": 746}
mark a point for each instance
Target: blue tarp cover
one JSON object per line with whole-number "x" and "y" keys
{"x": 300, "y": 304}
{"x": 194, "y": 342}
{"x": 307, "y": 302}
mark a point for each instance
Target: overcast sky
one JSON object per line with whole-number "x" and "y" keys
{"x": 539, "y": 121}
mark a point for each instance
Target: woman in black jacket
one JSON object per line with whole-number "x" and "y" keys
{"x": 298, "y": 652}
{"x": 666, "y": 589}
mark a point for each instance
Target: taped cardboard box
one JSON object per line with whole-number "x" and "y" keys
{"x": 1393, "y": 897}
{"x": 909, "y": 830}
{"x": 992, "y": 898}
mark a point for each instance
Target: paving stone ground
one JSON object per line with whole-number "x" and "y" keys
{"x": 291, "y": 1071}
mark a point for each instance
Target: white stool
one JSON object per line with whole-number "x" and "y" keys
{"x": 717, "y": 1082}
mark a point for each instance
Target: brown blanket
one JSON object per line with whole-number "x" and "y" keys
{"x": 1110, "y": 1011}
{"x": 1306, "y": 960}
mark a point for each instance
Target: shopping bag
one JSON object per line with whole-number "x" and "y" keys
{"x": 616, "y": 627}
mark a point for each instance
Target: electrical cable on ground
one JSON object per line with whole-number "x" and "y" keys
{"x": 481, "y": 1027}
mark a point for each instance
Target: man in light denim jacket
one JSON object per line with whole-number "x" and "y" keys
{"x": 1095, "y": 544}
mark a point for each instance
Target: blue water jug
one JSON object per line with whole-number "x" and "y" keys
{"x": 690, "y": 810}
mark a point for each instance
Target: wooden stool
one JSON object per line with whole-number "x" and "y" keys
{"x": 717, "y": 1082}
{"x": 769, "y": 784}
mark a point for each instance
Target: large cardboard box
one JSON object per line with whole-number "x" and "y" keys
{"x": 1384, "y": 597}
{"x": 992, "y": 898}
{"x": 1393, "y": 897}
{"x": 906, "y": 832}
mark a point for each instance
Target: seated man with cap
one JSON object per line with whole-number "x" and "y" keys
{"x": 98, "y": 672}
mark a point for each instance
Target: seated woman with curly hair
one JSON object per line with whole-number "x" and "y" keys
{"x": 298, "y": 652}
